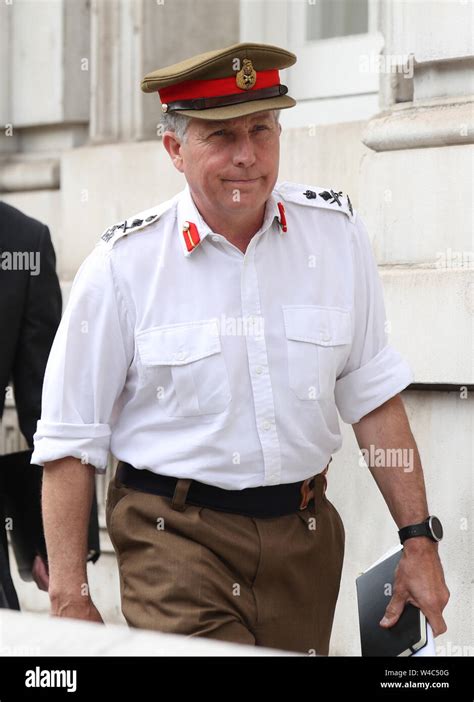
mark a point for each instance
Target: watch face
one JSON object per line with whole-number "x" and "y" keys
{"x": 436, "y": 528}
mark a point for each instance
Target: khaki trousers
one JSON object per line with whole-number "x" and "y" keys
{"x": 196, "y": 571}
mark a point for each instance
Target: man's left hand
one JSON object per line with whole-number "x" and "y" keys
{"x": 419, "y": 580}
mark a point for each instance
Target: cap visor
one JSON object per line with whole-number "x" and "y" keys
{"x": 241, "y": 109}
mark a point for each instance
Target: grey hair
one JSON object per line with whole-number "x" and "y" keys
{"x": 174, "y": 122}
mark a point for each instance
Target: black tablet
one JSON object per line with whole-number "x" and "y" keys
{"x": 374, "y": 591}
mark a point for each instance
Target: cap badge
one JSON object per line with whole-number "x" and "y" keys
{"x": 247, "y": 76}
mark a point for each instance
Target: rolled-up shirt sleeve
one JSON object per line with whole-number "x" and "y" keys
{"x": 86, "y": 369}
{"x": 374, "y": 371}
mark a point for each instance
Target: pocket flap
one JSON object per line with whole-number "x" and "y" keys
{"x": 176, "y": 344}
{"x": 327, "y": 326}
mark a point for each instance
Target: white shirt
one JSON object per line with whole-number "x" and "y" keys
{"x": 215, "y": 365}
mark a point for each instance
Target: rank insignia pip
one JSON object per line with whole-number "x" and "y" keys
{"x": 326, "y": 198}
{"x": 139, "y": 221}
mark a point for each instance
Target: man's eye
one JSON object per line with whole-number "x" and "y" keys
{"x": 220, "y": 132}
{"x": 260, "y": 127}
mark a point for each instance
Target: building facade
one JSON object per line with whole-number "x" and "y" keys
{"x": 385, "y": 93}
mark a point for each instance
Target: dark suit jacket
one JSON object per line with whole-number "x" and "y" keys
{"x": 30, "y": 312}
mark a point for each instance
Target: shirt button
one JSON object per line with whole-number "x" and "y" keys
{"x": 259, "y": 370}
{"x": 266, "y": 425}
{"x": 180, "y": 356}
{"x": 215, "y": 238}
{"x": 324, "y": 336}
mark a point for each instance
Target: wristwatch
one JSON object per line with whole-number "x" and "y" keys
{"x": 431, "y": 527}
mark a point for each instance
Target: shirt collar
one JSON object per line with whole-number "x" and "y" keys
{"x": 193, "y": 229}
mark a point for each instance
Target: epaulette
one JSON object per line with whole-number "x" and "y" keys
{"x": 133, "y": 224}
{"x": 317, "y": 197}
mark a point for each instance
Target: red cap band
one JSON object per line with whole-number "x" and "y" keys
{"x": 217, "y": 87}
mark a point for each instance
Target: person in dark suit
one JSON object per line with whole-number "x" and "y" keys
{"x": 30, "y": 312}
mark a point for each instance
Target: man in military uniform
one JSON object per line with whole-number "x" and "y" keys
{"x": 225, "y": 329}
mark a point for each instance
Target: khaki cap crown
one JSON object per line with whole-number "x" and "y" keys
{"x": 225, "y": 83}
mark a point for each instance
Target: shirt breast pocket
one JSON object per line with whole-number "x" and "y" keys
{"x": 184, "y": 366}
{"x": 317, "y": 339}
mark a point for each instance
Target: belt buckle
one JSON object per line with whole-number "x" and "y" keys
{"x": 324, "y": 473}
{"x": 307, "y": 493}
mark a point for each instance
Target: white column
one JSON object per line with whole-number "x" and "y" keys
{"x": 133, "y": 37}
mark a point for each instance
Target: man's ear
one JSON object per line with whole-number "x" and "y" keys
{"x": 173, "y": 147}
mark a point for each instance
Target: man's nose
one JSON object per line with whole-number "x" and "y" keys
{"x": 244, "y": 154}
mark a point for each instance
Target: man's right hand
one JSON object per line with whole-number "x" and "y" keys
{"x": 75, "y": 608}
{"x": 68, "y": 488}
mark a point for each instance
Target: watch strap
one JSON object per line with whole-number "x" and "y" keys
{"x": 409, "y": 532}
